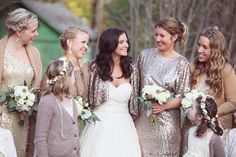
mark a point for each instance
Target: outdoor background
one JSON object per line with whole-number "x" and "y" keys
{"x": 137, "y": 17}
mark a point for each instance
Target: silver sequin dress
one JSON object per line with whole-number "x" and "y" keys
{"x": 15, "y": 72}
{"x": 162, "y": 139}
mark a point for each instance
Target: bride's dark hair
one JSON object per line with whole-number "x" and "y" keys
{"x": 108, "y": 43}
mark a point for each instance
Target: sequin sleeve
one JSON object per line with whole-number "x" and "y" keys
{"x": 134, "y": 103}
{"x": 98, "y": 89}
{"x": 183, "y": 72}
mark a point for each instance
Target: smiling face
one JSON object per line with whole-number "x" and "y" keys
{"x": 164, "y": 40}
{"x": 79, "y": 45}
{"x": 28, "y": 35}
{"x": 204, "y": 50}
{"x": 122, "y": 47}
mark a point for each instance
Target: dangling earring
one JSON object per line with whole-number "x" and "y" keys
{"x": 18, "y": 40}
{"x": 69, "y": 52}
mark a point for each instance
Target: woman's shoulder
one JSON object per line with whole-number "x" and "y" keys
{"x": 182, "y": 61}
{"x": 146, "y": 51}
{"x": 144, "y": 54}
{"x": 33, "y": 50}
{"x": 227, "y": 69}
{"x": 92, "y": 65}
{"x": 215, "y": 138}
{"x": 47, "y": 99}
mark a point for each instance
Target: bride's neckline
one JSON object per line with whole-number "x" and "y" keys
{"x": 120, "y": 85}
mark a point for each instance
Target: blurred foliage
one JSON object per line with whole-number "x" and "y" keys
{"x": 81, "y": 8}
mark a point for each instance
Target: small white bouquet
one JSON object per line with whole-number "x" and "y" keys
{"x": 151, "y": 94}
{"x": 189, "y": 97}
{"x": 20, "y": 99}
{"x": 24, "y": 98}
{"x": 85, "y": 113}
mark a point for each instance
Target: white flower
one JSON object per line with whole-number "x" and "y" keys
{"x": 162, "y": 98}
{"x": 189, "y": 96}
{"x": 29, "y": 103}
{"x": 31, "y": 97}
{"x": 20, "y": 102}
{"x": 149, "y": 90}
{"x": 186, "y": 103}
{"x": 24, "y": 108}
{"x": 86, "y": 104}
{"x": 21, "y": 90}
{"x": 86, "y": 114}
{"x": 79, "y": 100}
{"x": 79, "y": 108}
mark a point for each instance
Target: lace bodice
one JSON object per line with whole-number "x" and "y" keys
{"x": 16, "y": 71}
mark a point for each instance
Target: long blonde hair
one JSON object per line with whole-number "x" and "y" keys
{"x": 218, "y": 58}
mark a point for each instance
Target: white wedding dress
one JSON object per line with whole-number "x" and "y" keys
{"x": 115, "y": 135}
{"x": 7, "y": 146}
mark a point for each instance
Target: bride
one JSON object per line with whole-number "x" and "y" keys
{"x": 113, "y": 96}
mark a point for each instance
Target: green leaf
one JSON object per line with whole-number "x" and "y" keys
{"x": 2, "y": 98}
{"x": 12, "y": 104}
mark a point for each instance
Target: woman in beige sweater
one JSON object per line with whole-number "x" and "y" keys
{"x": 212, "y": 74}
{"x": 74, "y": 42}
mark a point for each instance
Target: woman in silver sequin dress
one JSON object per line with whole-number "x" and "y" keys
{"x": 19, "y": 62}
{"x": 163, "y": 66}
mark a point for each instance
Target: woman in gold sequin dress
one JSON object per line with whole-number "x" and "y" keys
{"x": 19, "y": 62}
{"x": 163, "y": 66}
{"x": 74, "y": 41}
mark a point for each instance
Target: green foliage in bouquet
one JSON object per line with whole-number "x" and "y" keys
{"x": 20, "y": 99}
{"x": 85, "y": 113}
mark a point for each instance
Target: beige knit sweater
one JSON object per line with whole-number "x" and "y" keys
{"x": 56, "y": 131}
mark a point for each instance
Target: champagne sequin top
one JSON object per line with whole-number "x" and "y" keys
{"x": 15, "y": 72}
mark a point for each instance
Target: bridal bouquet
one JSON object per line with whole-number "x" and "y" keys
{"x": 154, "y": 93}
{"x": 85, "y": 113}
{"x": 20, "y": 99}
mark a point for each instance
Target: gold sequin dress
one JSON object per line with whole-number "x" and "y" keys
{"x": 163, "y": 138}
{"x": 15, "y": 72}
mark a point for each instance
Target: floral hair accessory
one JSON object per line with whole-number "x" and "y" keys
{"x": 204, "y": 111}
{"x": 62, "y": 74}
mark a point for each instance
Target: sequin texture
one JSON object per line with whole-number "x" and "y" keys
{"x": 15, "y": 72}
{"x": 162, "y": 139}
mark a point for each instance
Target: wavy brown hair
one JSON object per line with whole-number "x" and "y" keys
{"x": 108, "y": 43}
{"x": 213, "y": 68}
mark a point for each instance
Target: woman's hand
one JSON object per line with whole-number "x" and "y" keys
{"x": 157, "y": 108}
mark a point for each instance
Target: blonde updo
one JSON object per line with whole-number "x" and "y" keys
{"x": 18, "y": 20}
{"x": 173, "y": 27}
{"x": 70, "y": 33}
